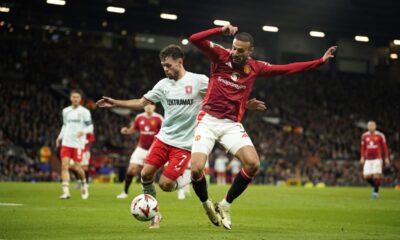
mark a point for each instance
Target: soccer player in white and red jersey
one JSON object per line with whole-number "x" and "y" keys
{"x": 232, "y": 76}
{"x": 77, "y": 122}
{"x": 373, "y": 143}
{"x": 148, "y": 124}
{"x": 180, "y": 94}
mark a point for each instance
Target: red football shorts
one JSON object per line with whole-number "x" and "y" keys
{"x": 161, "y": 153}
{"x": 73, "y": 153}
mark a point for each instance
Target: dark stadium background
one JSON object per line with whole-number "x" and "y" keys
{"x": 311, "y": 131}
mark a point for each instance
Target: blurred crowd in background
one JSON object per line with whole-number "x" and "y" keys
{"x": 311, "y": 131}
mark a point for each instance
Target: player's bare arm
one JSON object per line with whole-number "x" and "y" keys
{"x": 127, "y": 131}
{"x": 107, "y": 102}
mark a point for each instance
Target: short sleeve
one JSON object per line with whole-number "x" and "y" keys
{"x": 155, "y": 95}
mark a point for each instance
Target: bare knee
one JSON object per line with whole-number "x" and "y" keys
{"x": 252, "y": 167}
{"x": 146, "y": 175}
{"x": 197, "y": 165}
{"x": 167, "y": 186}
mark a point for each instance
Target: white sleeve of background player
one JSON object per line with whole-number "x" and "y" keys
{"x": 156, "y": 94}
{"x": 87, "y": 121}
{"x": 203, "y": 85}
{"x": 63, "y": 126}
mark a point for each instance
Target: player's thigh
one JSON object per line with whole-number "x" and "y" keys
{"x": 155, "y": 159}
{"x": 66, "y": 162}
{"x": 138, "y": 156}
{"x": 198, "y": 162}
{"x": 377, "y": 167}
{"x": 134, "y": 168}
{"x": 158, "y": 154}
{"x": 204, "y": 138}
{"x": 178, "y": 162}
{"x": 249, "y": 157}
{"x": 234, "y": 137}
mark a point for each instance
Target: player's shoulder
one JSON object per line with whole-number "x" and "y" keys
{"x": 196, "y": 76}
{"x": 84, "y": 109}
{"x": 365, "y": 134}
{"x": 140, "y": 115}
{"x": 259, "y": 63}
{"x": 380, "y": 134}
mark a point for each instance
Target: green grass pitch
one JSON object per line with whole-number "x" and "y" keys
{"x": 262, "y": 212}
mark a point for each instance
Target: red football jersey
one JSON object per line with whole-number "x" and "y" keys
{"x": 148, "y": 128}
{"x": 229, "y": 88}
{"x": 372, "y": 145}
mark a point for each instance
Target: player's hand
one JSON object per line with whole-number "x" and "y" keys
{"x": 106, "y": 102}
{"x": 80, "y": 134}
{"x": 329, "y": 54}
{"x": 387, "y": 162}
{"x": 58, "y": 142}
{"x": 362, "y": 160}
{"x": 125, "y": 130}
{"x": 229, "y": 30}
{"x": 254, "y": 104}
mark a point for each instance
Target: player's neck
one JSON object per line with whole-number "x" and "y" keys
{"x": 74, "y": 106}
{"x": 372, "y": 132}
{"x": 149, "y": 114}
{"x": 181, "y": 74}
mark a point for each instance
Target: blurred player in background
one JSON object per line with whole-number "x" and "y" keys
{"x": 90, "y": 138}
{"x": 372, "y": 144}
{"x": 232, "y": 76}
{"x": 234, "y": 167}
{"x": 77, "y": 122}
{"x": 148, "y": 124}
{"x": 220, "y": 168}
{"x": 180, "y": 94}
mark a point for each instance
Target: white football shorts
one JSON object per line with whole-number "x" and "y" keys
{"x": 138, "y": 156}
{"x": 373, "y": 167}
{"x": 231, "y": 135}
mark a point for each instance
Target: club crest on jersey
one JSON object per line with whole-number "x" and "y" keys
{"x": 246, "y": 69}
{"x": 188, "y": 89}
{"x": 235, "y": 76}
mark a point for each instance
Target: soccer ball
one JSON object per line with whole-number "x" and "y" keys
{"x": 144, "y": 207}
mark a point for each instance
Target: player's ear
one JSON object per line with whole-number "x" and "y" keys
{"x": 251, "y": 49}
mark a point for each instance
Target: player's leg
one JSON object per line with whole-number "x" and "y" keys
{"x": 65, "y": 155}
{"x": 77, "y": 157}
{"x": 65, "y": 177}
{"x": 85, "y": 164}
{"x": 173, "y": 177}
{"x": 135, "y": 167}
{"x": 237, "y": 142}
{"x": 377, "y": 174}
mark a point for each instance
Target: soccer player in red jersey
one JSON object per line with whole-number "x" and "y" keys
{"x": 148, "y": 124}
{"x": 232, "y": 76}
{"x": 372, "y": 144}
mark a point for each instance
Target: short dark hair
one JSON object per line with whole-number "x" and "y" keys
{"x": 78, "y": 91}
{"x": 173, "y": 51}
{"x": 245, "y": 37}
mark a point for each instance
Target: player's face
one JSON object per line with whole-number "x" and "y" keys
{"x": 150, "y": 108}
{"x": 371, "y": 126}
{"x": 172, "y": 67}
{"x": 76, "y": 99}
{"x": 241, "y": 51}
